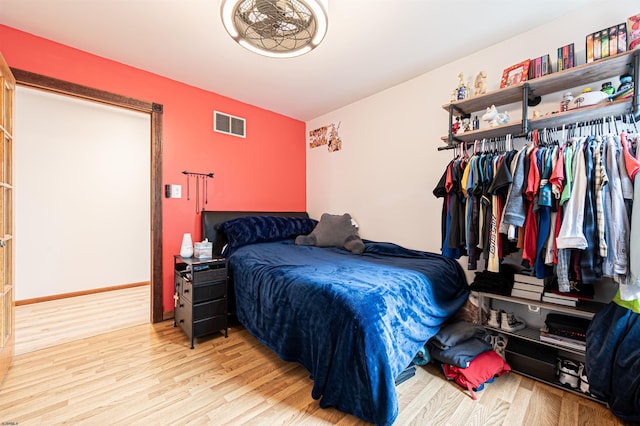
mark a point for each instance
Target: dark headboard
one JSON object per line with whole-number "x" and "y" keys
{"x": 211, "y": 220}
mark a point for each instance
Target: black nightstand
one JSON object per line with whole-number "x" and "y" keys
{"x": 200, "y": 295}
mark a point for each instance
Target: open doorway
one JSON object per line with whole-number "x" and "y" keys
{"x": 28, "y": 79}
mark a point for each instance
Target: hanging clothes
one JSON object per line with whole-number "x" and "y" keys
{"x": 566, "y": 204}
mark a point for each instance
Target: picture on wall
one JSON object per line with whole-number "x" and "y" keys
{"x": 318, "y": 137}
{"x": 326, "y": 135}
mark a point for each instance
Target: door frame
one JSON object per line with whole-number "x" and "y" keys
{"x": 38, "y": 81}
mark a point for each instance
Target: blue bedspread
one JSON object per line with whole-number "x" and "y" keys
{"x": 354, "y": 321}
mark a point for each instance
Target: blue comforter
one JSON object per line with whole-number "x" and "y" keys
{"x": 354, "y": 321}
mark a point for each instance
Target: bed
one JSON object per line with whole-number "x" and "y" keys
{"x": 354, "y": 321}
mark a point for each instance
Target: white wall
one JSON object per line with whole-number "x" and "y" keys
{"x": 82, "y": 185}
{"x": 388, "y": 166}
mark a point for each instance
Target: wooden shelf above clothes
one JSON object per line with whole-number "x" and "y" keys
{"x": 552, "y": 83}
{"x": 580, "y": 115}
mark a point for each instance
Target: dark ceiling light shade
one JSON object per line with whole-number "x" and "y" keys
{"x": 276, "y": 28}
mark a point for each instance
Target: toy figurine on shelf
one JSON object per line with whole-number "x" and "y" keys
{"x": 454, "y": 95}
{"x": 462, "y": 91}
{"x": 608, "y": 88}
{"x": 480, "y": 84}
{"x": 566, "y": 100}
{"x": 625, "y": 90}
{"x": 495, "y": 118}
{"x": 466, "y": 124}
{"x": 455, "y": 126}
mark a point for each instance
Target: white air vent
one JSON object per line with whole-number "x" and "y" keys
{"x": 225, "y": 123}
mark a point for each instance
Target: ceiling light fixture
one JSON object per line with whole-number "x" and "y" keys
{"x": 276, "y": 28}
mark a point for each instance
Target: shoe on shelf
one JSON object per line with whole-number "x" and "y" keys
{"x": 584, "y": 382}
{"x": 568, "y": 373}
{"x": 494, "y": 318}
{"x": 509, "y": 322}
{"x": 498, "y": 343}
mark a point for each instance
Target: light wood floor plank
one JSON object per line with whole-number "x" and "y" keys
{"x": 46, "y": 324}
{"x": 148, "y": 375}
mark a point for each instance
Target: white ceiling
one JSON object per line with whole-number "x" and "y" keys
{"x": 371, "y": 45}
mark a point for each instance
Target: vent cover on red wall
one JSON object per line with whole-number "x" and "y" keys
{"x": 225, "y": 123}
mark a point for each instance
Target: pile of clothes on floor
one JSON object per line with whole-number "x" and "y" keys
{"x": 467, "y": 353}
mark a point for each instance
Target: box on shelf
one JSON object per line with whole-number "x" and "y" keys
{"x": 203, "y": 250}
{"x": 633, "y": 28}
{"x": 607, "y": 42}
{"x": 532, "y": 359}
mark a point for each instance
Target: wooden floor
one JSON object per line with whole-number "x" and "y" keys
{"x": 45, "y": 324}
{"x": 147, "y": 375}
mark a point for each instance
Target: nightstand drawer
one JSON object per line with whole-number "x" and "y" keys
{"x": 216, "y": 271}
{"x": 209, "y": 309}
{"x": 204, "y": 292}
{"x": 183, "y": 317}
{"x": 209, "y": 325}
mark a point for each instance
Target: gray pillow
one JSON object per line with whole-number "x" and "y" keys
{"x": 334, "y": 231}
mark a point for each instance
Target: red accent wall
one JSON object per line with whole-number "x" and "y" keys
{"x": 264, "y": 172}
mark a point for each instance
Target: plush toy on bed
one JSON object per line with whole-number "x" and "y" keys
{"x": 334, "y": 231}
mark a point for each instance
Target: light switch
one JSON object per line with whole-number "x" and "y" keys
{"x": 176, "y": 191}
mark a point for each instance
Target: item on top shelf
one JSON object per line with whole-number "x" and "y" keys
{"x": 539, "y": 67}
{"x": 566, "y": 57}
{"x": 633, "y": 23}
{"x": 454, "y": 95}
{"x": 462, "y": 91}
{"x": 588, "y": 98}
{"x": 606, "y": 42}
{"x": 480, "y": 84}
{"x": 495, "y": 118}
{"x": 515, "y": 74}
